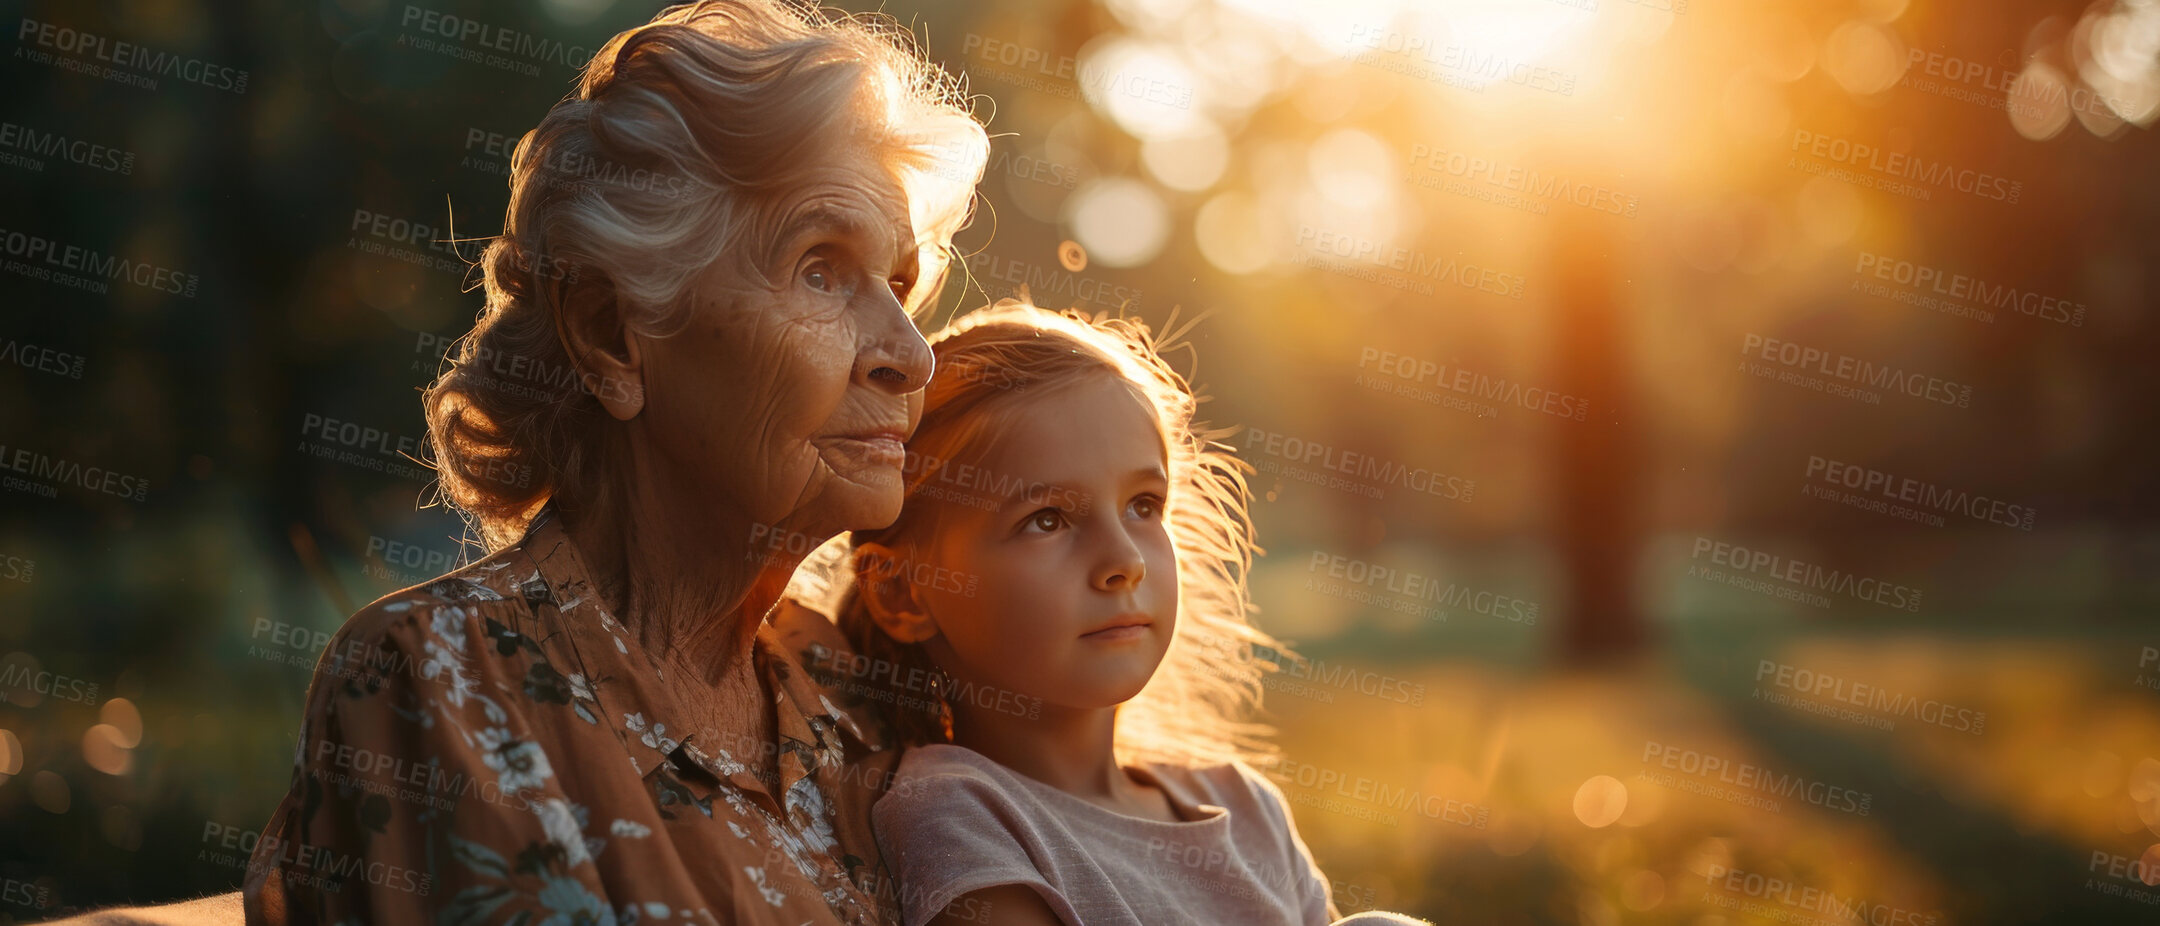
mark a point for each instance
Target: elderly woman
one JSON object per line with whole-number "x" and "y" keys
{"x": 722, "y": 237}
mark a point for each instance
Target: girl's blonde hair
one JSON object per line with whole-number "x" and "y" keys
{"x": 674, "y": 155}
{"x": 1198, "y": 709}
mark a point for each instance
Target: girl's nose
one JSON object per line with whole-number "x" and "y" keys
{"x": 1123, "y": 567}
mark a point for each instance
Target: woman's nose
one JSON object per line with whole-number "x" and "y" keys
{"x": 893, "y": 355}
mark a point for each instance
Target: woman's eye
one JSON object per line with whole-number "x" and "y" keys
{"x": 818, "y": 277}
{"x": 1048, "y": 519}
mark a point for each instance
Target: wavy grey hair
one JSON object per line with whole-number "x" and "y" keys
{"x": 666, "y": 163}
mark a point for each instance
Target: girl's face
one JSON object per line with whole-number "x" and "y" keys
{"x": 1073, "y": 575}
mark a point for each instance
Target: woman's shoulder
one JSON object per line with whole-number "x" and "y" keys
{"x": 454, "y": 613}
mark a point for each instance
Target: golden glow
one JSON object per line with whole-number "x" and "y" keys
{"x": 121, "y": 714}
{"x": 1600, "y": 801}
{"x": 102, "y": 749}
{"x": 1864, "y": 58}
{"x": 1120, "y": 221}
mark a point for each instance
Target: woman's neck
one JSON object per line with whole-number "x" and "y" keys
{"x": 697, "y": 592}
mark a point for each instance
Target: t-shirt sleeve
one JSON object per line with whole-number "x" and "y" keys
{"x": 945, "y": 835}
{"x": 1313, "y": 893}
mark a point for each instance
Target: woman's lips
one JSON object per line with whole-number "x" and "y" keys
{"x": 876, "y": 450}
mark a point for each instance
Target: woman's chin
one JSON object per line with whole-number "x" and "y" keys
{"x": 867, "y": 507}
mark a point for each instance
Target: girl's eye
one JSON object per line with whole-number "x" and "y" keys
{"x": 1048, "y": 519}
{"x": 1148, "y": 506}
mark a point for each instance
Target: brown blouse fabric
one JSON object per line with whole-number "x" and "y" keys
{"x": 494, "y": 747}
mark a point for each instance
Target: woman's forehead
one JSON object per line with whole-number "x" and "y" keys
{"x": 877, "y": 228}
{"x": 852, "y": 196}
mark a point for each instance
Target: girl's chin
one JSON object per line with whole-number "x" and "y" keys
{"x": 1112, "y": 692}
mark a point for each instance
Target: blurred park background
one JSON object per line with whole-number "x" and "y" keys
{"x": 1702, "y": 446}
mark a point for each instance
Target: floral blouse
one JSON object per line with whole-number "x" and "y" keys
{"x": 495, "y": 747}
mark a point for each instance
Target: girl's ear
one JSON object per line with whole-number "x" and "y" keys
{"x": 890, "y": 597}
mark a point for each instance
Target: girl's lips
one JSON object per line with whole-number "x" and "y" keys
{"x": 1127, "y": 632}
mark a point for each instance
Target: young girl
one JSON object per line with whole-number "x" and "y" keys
{"x": 1064, "y": 591}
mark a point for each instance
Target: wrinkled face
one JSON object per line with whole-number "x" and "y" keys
{"x": 789, "y": 404}
{"x": 1076, "y": 543}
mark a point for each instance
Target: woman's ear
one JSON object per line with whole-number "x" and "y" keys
{"x": 606, "y": 354}
{"x": 889, "y": 596}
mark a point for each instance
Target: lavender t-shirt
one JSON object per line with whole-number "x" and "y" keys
{"x": 954, "y": 821}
